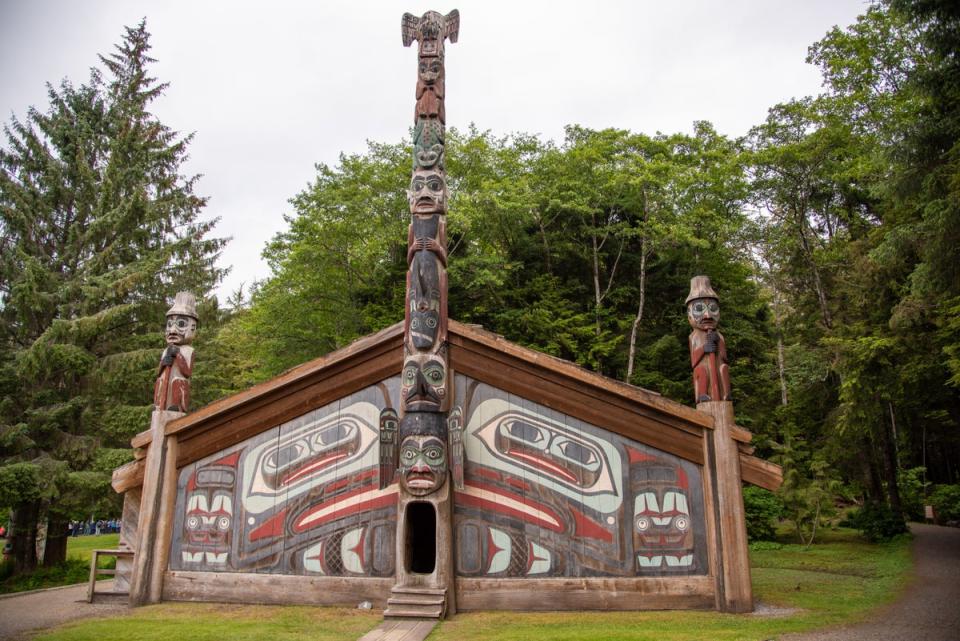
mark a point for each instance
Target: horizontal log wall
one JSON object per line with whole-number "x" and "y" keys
{"x": 681, "y": 593}
{"x": 280, "y": 589}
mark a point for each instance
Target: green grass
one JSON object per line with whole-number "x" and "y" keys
{"x": 75, "y": 570}
{"x": 219, "y": 622}
{"x": 838, "y": 580}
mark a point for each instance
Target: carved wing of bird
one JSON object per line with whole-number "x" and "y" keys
{"x": 389, "y": 425}
{"x": 458, "y": 457}
{"x": 408, "y": 28}
{"x": 452, "y": 25}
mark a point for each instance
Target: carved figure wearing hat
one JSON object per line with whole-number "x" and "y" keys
{"x": 708, "y": 350}
{"x": 172, "y": 390}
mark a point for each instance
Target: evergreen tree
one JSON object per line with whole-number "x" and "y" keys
{"x": 99, "y": 229}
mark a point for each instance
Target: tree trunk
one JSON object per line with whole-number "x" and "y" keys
{"x": 639, "y": 317}
{"x": 818, "y": 284}
{"x": 55, "y": 551}
{"x": 890, "y": 467}
{"x": 23, "y": 536}
{"x": 596, "y": 277}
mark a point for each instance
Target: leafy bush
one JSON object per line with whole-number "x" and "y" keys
{"x": 69, "y": 572}
{"x": 912, "y": 491}
{"x": 945, "y": 500}
{"x": 763, "y": 509}
{"x": 877, "y": 522}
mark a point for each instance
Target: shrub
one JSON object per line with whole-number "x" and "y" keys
{"x": 763, "y": 510}
{"x": 877, "y": 522}
{"x": 945, "y": 500}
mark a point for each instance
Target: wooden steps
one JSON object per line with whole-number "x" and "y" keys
{"x": 416, "y": 603}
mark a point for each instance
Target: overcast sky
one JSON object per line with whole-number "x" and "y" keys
{"x": 270, "y": 89}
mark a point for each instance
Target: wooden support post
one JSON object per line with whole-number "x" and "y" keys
{"x": 147, "y": 561}
{"x": 165, "y": 517}
{"x": 734, "y": 590}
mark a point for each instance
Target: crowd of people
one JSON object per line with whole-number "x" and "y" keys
{"x": 100, "y": 526}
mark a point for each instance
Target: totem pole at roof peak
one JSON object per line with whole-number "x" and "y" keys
{"x": 416, "y": 442}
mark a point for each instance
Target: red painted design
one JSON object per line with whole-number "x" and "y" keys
{"x": 495, "y": 506}
{"x": 519, "y": 484}
{"x": 313, "y": 467}
{"x": 544, "y": 465}
{"x": 192, "y": 483}
{"x": 305, "y": 523}
{"x": 271, "y": 528}
{"x": 636, "y": 456}
{"x": 486, "y": 473}
{"x": 590, "y": 529}
{"x": 230, "y": 460}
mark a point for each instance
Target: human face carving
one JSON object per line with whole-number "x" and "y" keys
{"x": 428, "y": 192}
{"x": 430, "y": 69}
{"x": 704, "y": 313}
{"x": 180, "y": 329}
{"x": 423, "y": 384}
{"x": 423, "y": 464}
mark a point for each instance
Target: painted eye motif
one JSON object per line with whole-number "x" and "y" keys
{"x": 714, "y": 308}
{"x": 410, "y": 375}
{"x": 223, "y": 523}
{"x": 681, "y": 523}
{"x": 699, "y": 308}
{"x": 415, "y": 323}
{"x": 193, "y": 523}
{"x": 431, "y": 323}
{"x": 408, "y": 455}
{"x": 643, "y": 523}
{"x": 434, "y": 374}
{"x": 434, "y": 454}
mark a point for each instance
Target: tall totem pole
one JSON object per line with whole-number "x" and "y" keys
{"x": 711, "y": 390}
{"x": 423, "y": 443}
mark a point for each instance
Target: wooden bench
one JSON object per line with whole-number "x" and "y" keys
{"x": 95, "y": 571}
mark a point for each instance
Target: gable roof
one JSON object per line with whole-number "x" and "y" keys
{"x": 625, "y": 409}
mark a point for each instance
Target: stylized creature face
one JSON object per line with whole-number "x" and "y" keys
{"x": 428, "y": 157}
{"x": 703, "y": 313}
{"x": 423, "y": 464}
{"x": 423, "y": 385}
{"x": 428, "y": 192}
{"x": 424, "y": 319}
{"x": 180, "y": 329}
{"x": 662, "y": 528}
{"x": 207, "y": 523}
{"x": 299, "y": 458}
{"x": 430, "y": 70}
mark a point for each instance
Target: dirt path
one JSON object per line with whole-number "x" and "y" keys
{"x": 20, "y": 615}
{"x": 930, "y": 609}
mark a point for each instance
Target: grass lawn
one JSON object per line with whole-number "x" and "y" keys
{"x": 75, "y": 570}
{"x": 838, "y": 580}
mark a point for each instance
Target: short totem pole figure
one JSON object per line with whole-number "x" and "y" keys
{"x": 172, "y": 390}
{"x": 708, "y": 350}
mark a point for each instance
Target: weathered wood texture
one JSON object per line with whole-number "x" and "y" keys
{"x": 150, "y": 506}
{"x": 624, "y": 409}
{"x": 761, "y": 473}
{"x": 737, "y": 592}
{"x": 163, "y": 530}
{"x": 128, "y": 476}
{"x": 129, "y": 537}
{"x": 694, "y": 592}
{"x": 275, "y": 588}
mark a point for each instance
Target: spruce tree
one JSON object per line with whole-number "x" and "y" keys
{"x": 99, "y": 228}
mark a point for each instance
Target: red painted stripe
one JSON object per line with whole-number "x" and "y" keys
{"x": 271, "y": 528}
{"x": 588, "y": 528}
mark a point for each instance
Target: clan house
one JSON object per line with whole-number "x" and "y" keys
{"x": 435, "y": 467}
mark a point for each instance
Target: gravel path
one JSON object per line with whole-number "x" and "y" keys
{"x": 930, "y": 609}
{"x": 20, "y": 615}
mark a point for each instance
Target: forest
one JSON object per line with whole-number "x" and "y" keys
{"x": 831, "y": 232}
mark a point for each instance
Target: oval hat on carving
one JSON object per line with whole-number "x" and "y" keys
{"x": 185, "y": 304}
{"x": 700, "y": 288}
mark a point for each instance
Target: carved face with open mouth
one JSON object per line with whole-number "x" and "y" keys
{"x": 428, "y": 192}
{"x": 423, "y": 384}
{"x": 423, "y": 464}
{"x": 662, "y": 525}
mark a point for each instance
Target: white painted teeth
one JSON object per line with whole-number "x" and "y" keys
{"x": 197, "y": 502}
{"x": 649, "y": 561}
{"x": 217, "y": 558}
{"x": 675, "y": 502}
{"x": 222, "y": 503}
{"x": 192, "y": 557}
{"x": 646, "y": 502}
{"x": 679, "y": 561}
{"x": 673, "y": 561}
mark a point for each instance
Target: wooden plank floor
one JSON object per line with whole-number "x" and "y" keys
{"x": 400, "y": 630}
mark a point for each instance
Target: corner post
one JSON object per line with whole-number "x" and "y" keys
{"x": 711, "y": 384}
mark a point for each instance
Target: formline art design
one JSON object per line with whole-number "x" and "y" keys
{"x": 435, "y": 467}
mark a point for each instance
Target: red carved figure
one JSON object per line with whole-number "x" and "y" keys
{"x": 708, "y": 350}
{"x": 172, "y": 389}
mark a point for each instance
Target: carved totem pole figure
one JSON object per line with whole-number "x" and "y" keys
{"x": 172, "y": 389}
{"x": 708, "y": 350}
